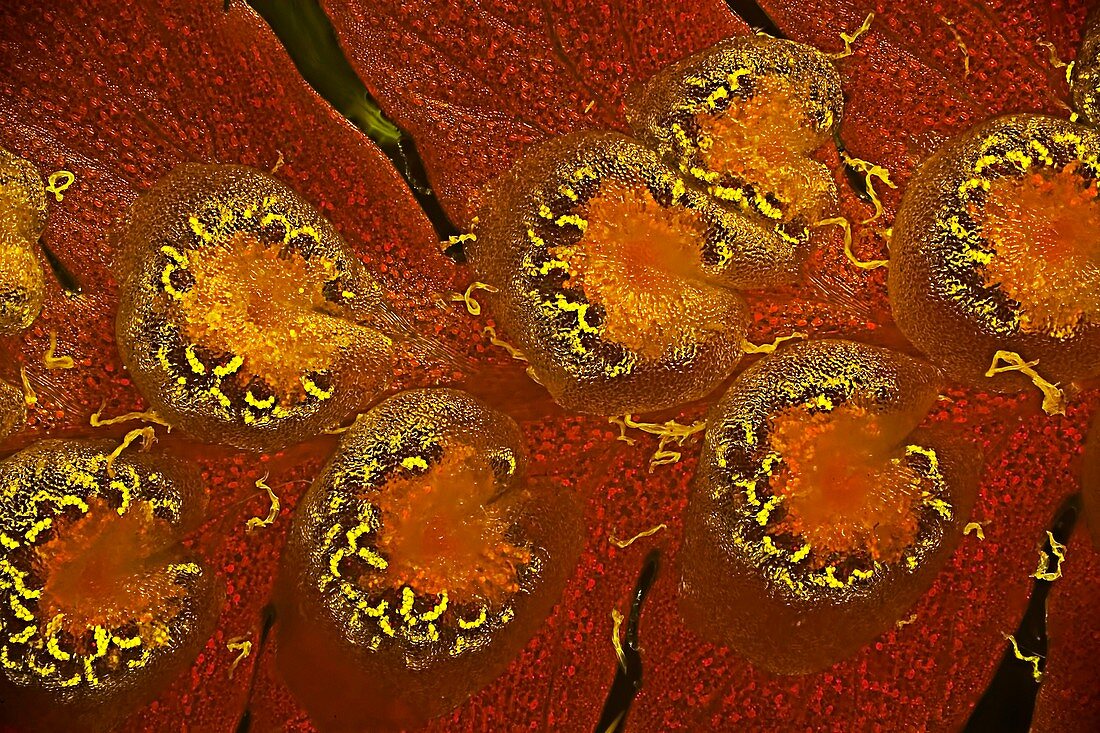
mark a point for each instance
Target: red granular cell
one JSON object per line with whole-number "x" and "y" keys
{"x": 1068, "y": 696}
{"x": 498, "y": 79}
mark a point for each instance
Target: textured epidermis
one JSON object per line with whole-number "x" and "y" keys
{"x": 13, "y": 409}
{"x": 22, "y": 219}
{"x": 1043, "y": 229}
{"x": 804, "y": 699}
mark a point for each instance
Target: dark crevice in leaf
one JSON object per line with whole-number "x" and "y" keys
{"x": 60, "y": 270}
{"x": 628, "y": 678}
{"x": 755, "y": 16}
{"x": 855, "y": 178}
{"x": 244, "y": 725}
{"x": 307, "y": 34}
{"x": 1009, "y": 702}
{"x": 456, "y": 252}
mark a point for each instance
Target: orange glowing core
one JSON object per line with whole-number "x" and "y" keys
{"x": 107, "y": 570}
{"x": 641, "y": 262}
{"x": 845, "y": 487}
{"x": 1044, "y": 229}
{"x": 249, "y": 300}
{"x": 442, "y": 533}
{"x": 765, "y": 140}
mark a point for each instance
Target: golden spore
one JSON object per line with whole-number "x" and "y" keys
{"x": 616, "y": 279}
{"x": 22, "y": 222}
{"x": 995, "y": 249}
{"x": 101, "y": 604}
{"x": 13, "y": 409}
{"x": 243, "y": 317}
{"x": 742, "y": 120}
{"x": 420, "y": 561}
{"x": 821, "y": 510}
{"x": 1085, "y": 77}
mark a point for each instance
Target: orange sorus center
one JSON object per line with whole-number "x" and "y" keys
{"x": 766, "y": 140}
{"x": 642, "y": 263}
{"x": 442, "y": 533}
{"x": 1044, "y": 229}
{"x": 269, "y": 308}
{"x": 845, "y": 487}
{"x": 103, "y": 569}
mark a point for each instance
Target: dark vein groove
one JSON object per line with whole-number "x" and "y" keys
{"x": 244, "y": 725}
{"x": 755, "y": 16}
{"x": 563, "y": 57}
{"x": 64, "y": 275}
{"x": 1009, "y": 702}
{"x": 856, "y": 180}
{"x": 628, "y": 681}
{"x": 307, "y": 34}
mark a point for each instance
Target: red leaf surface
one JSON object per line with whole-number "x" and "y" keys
{"x": 1070, "y": 696}
{"x": 120, "y": 95}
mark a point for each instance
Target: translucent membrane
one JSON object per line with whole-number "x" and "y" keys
{"x": 419, "y": 563}
{"x": 995, "y": 248}
{"x": 243, "y": 318}
{"x": 13, "y": 410}
{"x": 101, "y": 606}
{"x": 616, "y": 279}
{"x": 820, "y": 511}
{"x": 22, "y": 221}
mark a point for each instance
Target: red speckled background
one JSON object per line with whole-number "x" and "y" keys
{"x": 120, "y": 93}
